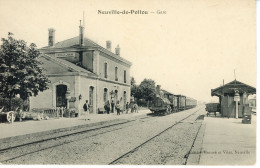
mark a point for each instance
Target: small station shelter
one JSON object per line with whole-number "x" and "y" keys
{"x": 233, "y": 98}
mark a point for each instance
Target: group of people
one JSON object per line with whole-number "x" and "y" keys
{"x": 133, "y": 106}
{"x": 107, "y": 107}
{"x": 110, "y": 107}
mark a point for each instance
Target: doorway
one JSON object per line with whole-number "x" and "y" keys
{"x": 61, "y": 96}
{"x": 105, "y": 95}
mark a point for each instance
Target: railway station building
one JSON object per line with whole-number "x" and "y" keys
{"x": 84, "y": 70}
{"x": 233, "y": 98}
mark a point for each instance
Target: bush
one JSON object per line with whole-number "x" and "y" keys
{"x": 16, "y": 103}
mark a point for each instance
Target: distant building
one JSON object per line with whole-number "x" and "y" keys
{"x": 231, "y": 93}
{"x": 85, "y": 69}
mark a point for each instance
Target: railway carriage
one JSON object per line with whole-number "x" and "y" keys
{"x": 174, "y": 104}
{"x": 190, "y": 103}
{"x": 181, "y": 102}
{"x": 166, "y": 102}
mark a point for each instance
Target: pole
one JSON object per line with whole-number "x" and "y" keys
{"x": 236, "y": 109}
{"x": 68, "y": 104}
{"x": 57, "y": 112}
{"x": 62, "y": 112}
{"x": 235, "y": 74}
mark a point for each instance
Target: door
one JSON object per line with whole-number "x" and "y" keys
{"x": 116, "y": 96}
{"x": 105, "y": 95}
{"x": 91, "y": 99}
{"x": 60, "y": 96}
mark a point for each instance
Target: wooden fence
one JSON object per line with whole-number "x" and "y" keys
{"x": 55, "y": 112}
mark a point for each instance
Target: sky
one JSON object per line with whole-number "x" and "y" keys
{"x": 189, "y": 50}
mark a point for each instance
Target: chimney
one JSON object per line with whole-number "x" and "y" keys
{"x": 108, "y": 45}
{"x": 118, "y": 50}
{"x": 81, "y": 34}
{"x": 51, "y": 37}
{"x": 158, "y": 89}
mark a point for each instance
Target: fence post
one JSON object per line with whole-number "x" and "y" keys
{"x": 57, "y": 112}
{"x": 12, "y": 117}
{"x": 62, "y": 112}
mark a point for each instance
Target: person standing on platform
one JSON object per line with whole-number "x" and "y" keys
{"x": 86, "y": 109}
{"x": 112, "y": 106}
{"x": 118, "y": 108}
{"x": 131, "y": 106}
{"x": 127, "y": 107}
{"x": 107, "y": 107}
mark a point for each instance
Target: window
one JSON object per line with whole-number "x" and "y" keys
{"x": 105, "y": 95}
{"x": 116, "y": 69}
{"x": 124, "y": 76}
{"x": 105, "y": 70}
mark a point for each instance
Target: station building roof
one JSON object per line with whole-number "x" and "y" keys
{"x": 231, "y": 86}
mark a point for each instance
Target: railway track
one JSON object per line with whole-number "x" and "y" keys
{"x": 60, "y": 133}
{"x": 116, "y": 161}
{"x": 24, "y": 149}
{"x": 18, "y": 151}
{"x": 187, "y": 155}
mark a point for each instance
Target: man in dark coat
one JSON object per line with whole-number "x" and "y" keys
{"x": 112, "y": 106}
{"x": 107, "y": 107}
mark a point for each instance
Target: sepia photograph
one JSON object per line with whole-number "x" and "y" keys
{"x": 128, "y": 82}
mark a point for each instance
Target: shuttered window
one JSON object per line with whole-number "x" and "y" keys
{"x": 105, "y": 70}
{"x": 124, "y": 76}
{"x": 116, "y": 69}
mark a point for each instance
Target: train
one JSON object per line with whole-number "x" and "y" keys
{"x": 166, "y": 102}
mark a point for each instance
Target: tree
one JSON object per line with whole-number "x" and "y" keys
{"x": 20, "y": 70}
{"x": 147, "y": 89}
{"x": 135, "y": 91}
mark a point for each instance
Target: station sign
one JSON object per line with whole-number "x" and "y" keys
{"x": 67, "y": 54}
{"x": 236, "y": 97}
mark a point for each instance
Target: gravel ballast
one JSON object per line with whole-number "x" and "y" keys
{"x": 168, "y": 148}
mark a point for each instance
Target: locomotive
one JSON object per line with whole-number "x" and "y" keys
{"x": 166, "y": 102}
{"x": 160, "y": 105}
